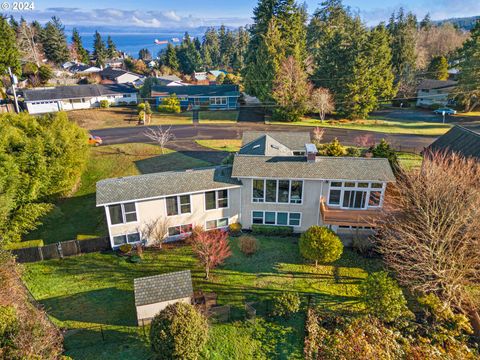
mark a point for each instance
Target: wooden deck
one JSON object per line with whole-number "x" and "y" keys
{"x": 336, "y": 216}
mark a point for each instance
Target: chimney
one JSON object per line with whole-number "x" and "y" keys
{"x": 311, "y": 152}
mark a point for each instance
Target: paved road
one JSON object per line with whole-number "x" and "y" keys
{"x": 183, "y": 133}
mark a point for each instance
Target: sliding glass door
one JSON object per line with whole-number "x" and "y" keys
{"x": 354, "y": 199}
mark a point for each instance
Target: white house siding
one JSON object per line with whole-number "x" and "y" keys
{"x": 145, "y": 313}
{"x": 433, "y": 97}
{"x": 40, "y": 107}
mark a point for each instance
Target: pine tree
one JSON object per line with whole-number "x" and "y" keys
{"x": 112, "y": 52}
{"x": 9, "y": 54}
{"x": 144, "y": 54}
{"x": 189, "y": 58}
{"x": 80, "y": 51}
{"x": 211, "y": 48}
{"x": 54, "y": 42}
{"x": 171, "y": 59}
{"x": 438, "y": 68}
{"x": 99, "y": 50}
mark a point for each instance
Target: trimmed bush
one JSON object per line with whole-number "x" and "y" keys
{"x": 286, "y": 304}
{"x": 170, "y": 105}
{"x": 23, "y": 244}
{"x": 319, "y": 243}
{"x": 81, "y": 237}
{"x": 178, "y": 332}
{"x": 235, "y": 229}
{"x": 248, "y": 245}
{"x": 272, "y": 230}
{"x": 125, "y": 248}
{"x": 104, "y": 104}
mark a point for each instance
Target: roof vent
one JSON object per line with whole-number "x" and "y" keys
{"x": 256, "y": 146}
{"x": 275, "y": 147}
{"x": 311, "y": 152}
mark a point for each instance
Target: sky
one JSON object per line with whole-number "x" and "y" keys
{"x": 184, "y": 14}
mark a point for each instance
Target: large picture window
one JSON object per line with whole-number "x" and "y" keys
{"x": 122, "y": 213}
{"x": 356, "y": 195}
{"x": 126, "y": 239}
{"x": 278, "y": 218}
{"x": 177, "y": 205}
{"x": 277, "y": 191}
{"x": 180, "y": 230}
{"x": 215, "y": 224}
{"x": 216, "y": 199}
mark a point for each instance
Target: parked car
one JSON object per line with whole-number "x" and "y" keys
{"x": 447, "y": 111}
{"x": 95, "y": 140}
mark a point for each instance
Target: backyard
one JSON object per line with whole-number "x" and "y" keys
{"x": 85, "y": 292}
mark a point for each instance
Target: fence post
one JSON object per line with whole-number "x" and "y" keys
{"x": 40, "y": 253}
{"x": 59, "y": 249}
{"x": 101, "y": 331}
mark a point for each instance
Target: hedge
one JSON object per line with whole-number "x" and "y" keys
{"x": 81, "y": 237}
{"x": 272, "y": 230}
{"x": 24, "y": 244}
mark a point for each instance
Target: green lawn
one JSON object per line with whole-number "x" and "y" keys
{"x": 77, "y": 215}
{"x": 230, "y": 145}
{"x": 96, "y": 289}
{"x": 377, "y": 125}
{"x": 218, "y": 117}
{"x": 409, "y": 161}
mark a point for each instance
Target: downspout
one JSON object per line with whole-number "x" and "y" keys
{"x": 319, "y": 202}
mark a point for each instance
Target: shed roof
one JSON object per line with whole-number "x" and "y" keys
{"x": 149, "y": 186}
{"x": 459, "y": 140}
{"x": 198, "y": 90}
{"x": 76, "y": 91}
{"x": 295, "y": 141}
{"x": 163, "y": 287}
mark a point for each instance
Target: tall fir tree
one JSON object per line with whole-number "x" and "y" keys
{"x": 112, "y": 51}
{"x": 438, "y": 68}
{"x": 99, "y": 49}
{"x": 211, "y": 48}
{"x": 54, "y": 41}
{"x": 171, "y": 59}
{"x": 189, "y": 58}
{"x": 9, "y": 54}
{"x": 241, "y": 46}
{"x": 81, "y": 52}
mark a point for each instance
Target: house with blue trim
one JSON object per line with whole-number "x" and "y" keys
{"x": 211, "y": 97}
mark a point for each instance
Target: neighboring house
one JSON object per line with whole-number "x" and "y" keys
{"x": 434, "y": 92}
{"x": 152, "y": 64}
{"x": 76, "y": 97}
{"x": 201, "y": 78}
{"x": 155, "y": 293}
{"x": 118, "y": 76}
{"x": 114, "y": 63}
{"x": 83, "y": 69}
{"x": 267, "y": 184}
{"x": 216, "y": 73}
{"x": 170, "y": 80}
{"x": 212, "y": 97}
{"x": 459, "y": 140}
{"x": 68, "y": 64}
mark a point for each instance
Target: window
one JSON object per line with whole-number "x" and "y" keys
{"x": 375, "y": 197}
{"x": 177, "y": 205}
{"x": 355, "y": 195}
{"x": 276, "y": 218}
{"x": 277, "y": 191}
{"x": 270, "y": 218}
{"x": 216, "y": 199}
{"x": 180, "y": 230}
{"x": 282, "y": 218}
{"x": 271, "y": 186}
{"x": 296, "y": 192}
{"x": 283, "y": 190}
{"x": 258, "y": 190}
{"x": 294, "y": 219}
{"x": 334, "y": 198}
{"x": 215, "y": 224}
{"x": 127, "y": 238}
{"x": 257, "y": 217}
{"x": 122, "y": 213}
{"x": 218, "y": 101}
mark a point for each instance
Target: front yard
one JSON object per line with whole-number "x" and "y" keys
{"x": 97, "y": 289}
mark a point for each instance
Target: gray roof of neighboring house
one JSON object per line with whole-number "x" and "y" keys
{"x": 168, "y": 78}
{"x": 295, "y": 141}
{"x": 76, "y": 91}
{"x": 267, "y": 146}
{"x": 199, "y": 90}
{"x": 431, "y": 84}
{"x": 163, "y": 287}
{"x": 148, "y": 186}
{"x": 459, "y": 140}
{"x": 327, "y": 168}
{"x": 113, "y": 73}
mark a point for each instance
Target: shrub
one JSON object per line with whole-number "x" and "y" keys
{"x": 272, "y": 230}
{"x": 248, "y": 245}
{"x": 23, "y": 244}
{"x": 333, "y": 149}
{"x": 104, "y": 104}
{"x": 125, "y": 248}
{"x": 384, "y": 150}
{"x": 170, "y": 105}
{"x": 81, "y": 237}
{"x": 353, "y": 152}
{"x": 8, "y": 325}
{"x": 383, "y": 297}
{"x": 132, "y": 103}
{"x": 178, "y": 332}
{"x": 235, "y": 229}
{"x": 286, "y": 304}
{"x": 319, "y": 243}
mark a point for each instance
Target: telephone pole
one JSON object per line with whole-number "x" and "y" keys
{"x": 13, "y": 80}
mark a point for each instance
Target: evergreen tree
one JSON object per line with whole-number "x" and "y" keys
{"x": 13, "y": 23}
{"x": 81, "y": 52}
{"x": 426, "y": 22}
{"x": 54, "y": 42}
{"x": 241, "y": 45}
{"x": 171, "y": 59}
{"x": 112, "y": 52}
{"x": 211, "y": 48}
{"x": 438, "y": 68}
{"x": 189, "y": 57}
{"x": 9, "y": 54}
{"x": 144, "y": 54}
{"x": 99, "y": 50}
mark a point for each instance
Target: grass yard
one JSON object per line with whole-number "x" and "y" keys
{"x": 230, "y": 145}
{"x": 218, "y": 117}
{"x": 77, "y": 215}
{"x": 377, "y": 125}
{"x": 97, "y": 289}
{"x": 123, "y": 117}
{"x": 409, "y": 161}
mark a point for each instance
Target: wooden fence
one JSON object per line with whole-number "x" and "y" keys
{"x": 61, "y": 249}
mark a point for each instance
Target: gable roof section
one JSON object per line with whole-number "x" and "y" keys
{"x": 163, "y": 287}
{"x": 325, "y": 168}
{"x": 76, "y": 91}
{"x": 113, "y": 73}
{"x": 197, "y": 90}
{"x": 267, "y": 146}
{"x": 459, "y": 140}
{"x": 432, "y": 84}
{"x": 295, "y": 141}
{"x": 150, "y": 186}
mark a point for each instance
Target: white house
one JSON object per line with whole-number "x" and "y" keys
{"x": 119, "y": 76}
{"x": 434, "y": 92}
{"x": 77, "y": 97}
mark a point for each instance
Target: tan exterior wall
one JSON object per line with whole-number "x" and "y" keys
{"x": 147, "y": 312}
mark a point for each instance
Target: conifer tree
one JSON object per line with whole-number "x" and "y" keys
{"x": 54, "y": 41}
{"x": 99, "y": 49}
{"x": 438, "y": 68}
{"x": 111, "y": 48}
{"x": 171, "y": 59}
{"x": 80, "y": 51}
{"x": 9, "y": 54}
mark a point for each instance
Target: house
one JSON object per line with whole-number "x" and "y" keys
{"x": 151, "y": 64}
{"x": 170, "y": 80}
{"x": 155, "y": 293}
{"x": 76, "y": 97}
{"x": 212, "y": 97}
{"x": 459, "y": 140}
{"x": 201, "y": 78}
{"x": 83, "y": 69}
{"x": 434, "y": 92}
{"x": 267, "y": 184}
{"x": 118, "y": 76}
{"x": 114, "y": 63}
{"x": 216, "y": 73}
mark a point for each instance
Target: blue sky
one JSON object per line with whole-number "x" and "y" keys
{"x": 176, "y": 14}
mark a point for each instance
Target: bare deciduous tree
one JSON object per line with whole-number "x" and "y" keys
{"x": 430, "y": 236}
{"x": 155, "y": 231}
{"x": 318, "y": 133}
{"x": 322, "y": 102}
{"x": 159, "y": 136}
{"x": 366, "y": 140}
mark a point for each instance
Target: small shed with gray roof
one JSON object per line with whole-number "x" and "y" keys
{"x": 155, "y": 293}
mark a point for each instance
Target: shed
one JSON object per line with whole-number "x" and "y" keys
{"x": 155, "y": 293}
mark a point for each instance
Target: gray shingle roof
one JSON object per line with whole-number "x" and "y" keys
{"x": 111, "y": 191}
{"x": 430, "y": 84}
{"x": 113, "y": 73}
{"x": 295, "y": 141}
{"x": 267, "y": 146}
{"x": 76, "y": 91}
{"x": 198, "y": 90}
{"x": 459, "y": 140}
{"x": 327, "y": 168}
{"x": 163, "y": 287}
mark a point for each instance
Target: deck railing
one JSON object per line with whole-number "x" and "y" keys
{"x": 348, "y": 217}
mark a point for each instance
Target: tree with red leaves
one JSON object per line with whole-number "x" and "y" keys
{"x": 212, "y": 248}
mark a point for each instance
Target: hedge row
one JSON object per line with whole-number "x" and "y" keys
{"x": 24, "y": 244}
{"x": 272, "y": 230}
